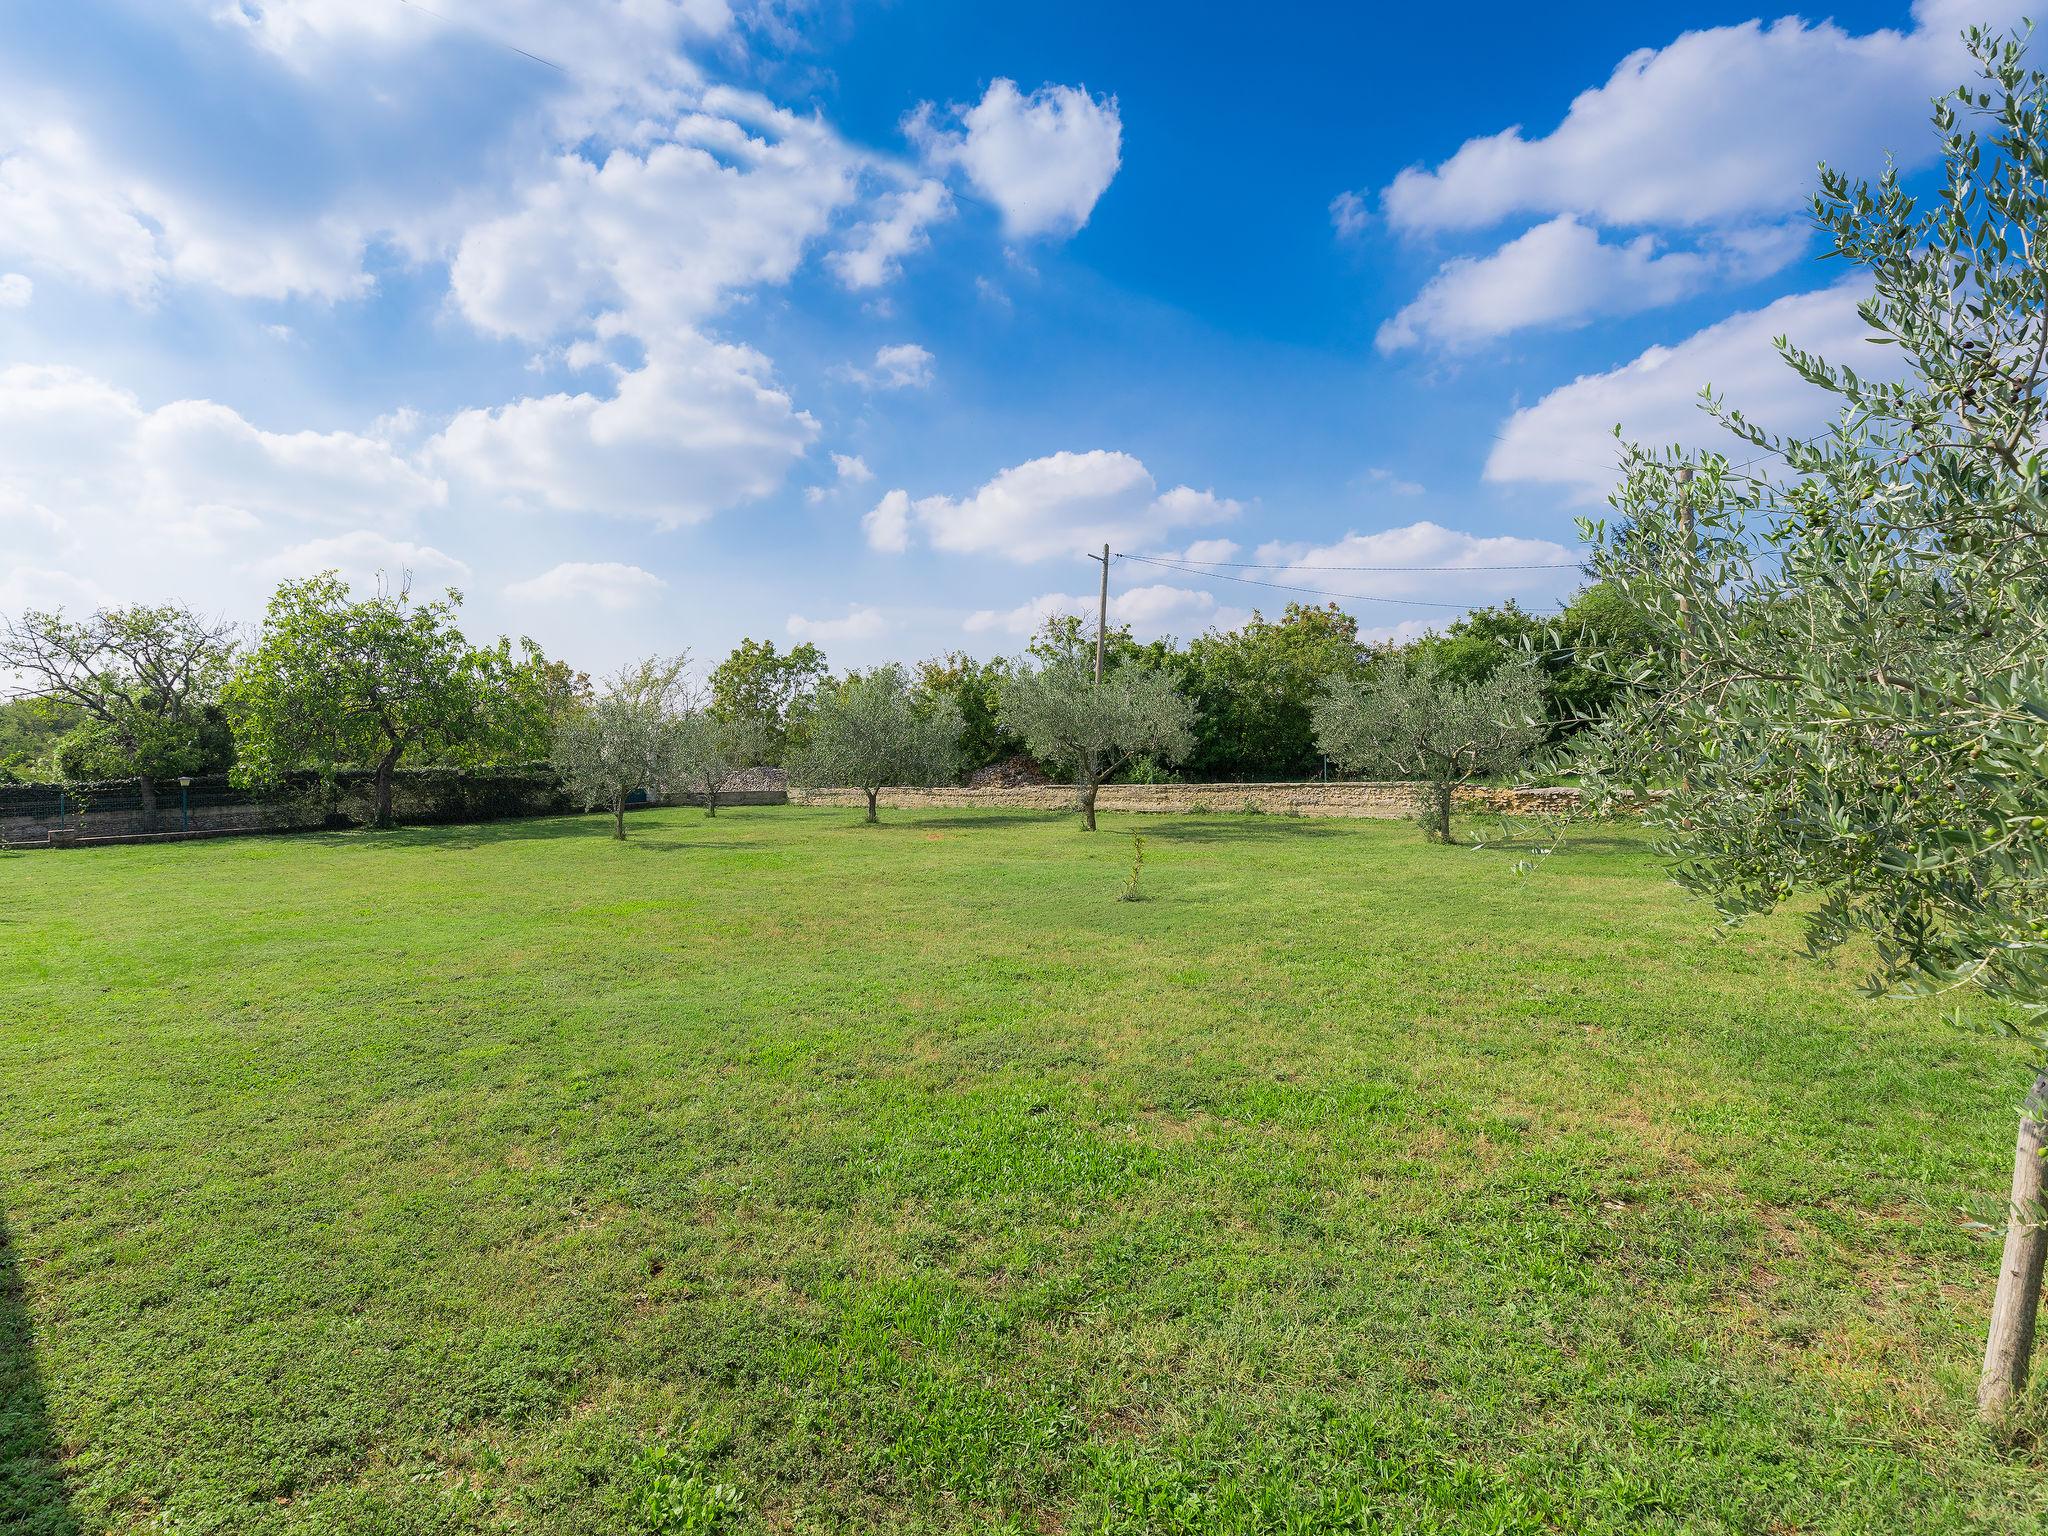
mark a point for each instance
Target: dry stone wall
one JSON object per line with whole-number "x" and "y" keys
{"x": 1383, "y": 800}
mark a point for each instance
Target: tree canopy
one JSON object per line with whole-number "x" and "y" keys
{"x": 760, "y": 687}
{"x": 1088, "y": 730}
{"x": 141, "y": 684}
{"x": 623, "y": 738}
{"x": 335, "y": 681}
{"x": 868, "y": 730}
{"x": 1408, "y": 718}
{"x": 1858, "y": 708}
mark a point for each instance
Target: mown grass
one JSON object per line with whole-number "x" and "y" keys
{"x": 779, "y": 1173}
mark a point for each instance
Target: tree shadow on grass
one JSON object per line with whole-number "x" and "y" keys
{"x": 1232, "y": 828}
{"x": 663, "y": 836}
{"x": 975, "y": 818}
{"x": 33, "y": 1499}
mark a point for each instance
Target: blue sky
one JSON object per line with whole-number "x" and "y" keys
{"x": 650, "y": 324}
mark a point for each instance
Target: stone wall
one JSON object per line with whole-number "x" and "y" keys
{"x": 1384, "y": 800}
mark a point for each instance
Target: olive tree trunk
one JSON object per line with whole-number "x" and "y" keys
{"x": 1436, "y": 812}
{"x": 2010, "y": 1348}
{"x": 710, "y": 799}
{"x": 1088, "y": 789}
{"x": 871, "y": 805}
{"x": 619, "y": 816}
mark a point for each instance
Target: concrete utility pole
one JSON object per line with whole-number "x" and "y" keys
{"x": 1102, "y": 612}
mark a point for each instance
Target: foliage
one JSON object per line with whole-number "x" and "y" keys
{"x": 767, "y": 690}
{"x": 1581, "y": 654}
{"x": 143, "y": 682}
{"x": 1075, "y": 725}
{"x": 709, "y": 752}
{"x": 339, "y": 682}
{"x": 1862, "y": 707}
{"x": 672, "y": 1495}
{"x": 625, "y": 739}
{"x": 972, "y": 687}
{"x": 31, "y": 731}
{"x": 1407, "y": 719}
{"x": 1254, "y": 689}
{"x": 868, "y": 730}
{"x": 956, "y": 1188}
{"x": 524, "y": 699}
{"x": 1859, "y": 711}
{"x": 1130, "y": 891}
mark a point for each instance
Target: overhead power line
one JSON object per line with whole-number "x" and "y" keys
{"x": 1253, "y": 565}
{"x": 1342, "y": 597}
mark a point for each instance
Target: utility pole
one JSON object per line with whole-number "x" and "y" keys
{"x": 1102, "y": 612}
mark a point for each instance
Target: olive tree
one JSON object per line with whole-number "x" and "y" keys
{"x": 1859, "y": 710}
{"x": 710, "y": 752}
{"x": 1407, "y": 719}
{"x": 1076, "y": 725}
{"x": 869, "y": 730}
{"x": 624, "y": 738}
{"x": 143, "y": 683}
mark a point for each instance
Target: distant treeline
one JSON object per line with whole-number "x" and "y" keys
{"x": 333, "y": 682}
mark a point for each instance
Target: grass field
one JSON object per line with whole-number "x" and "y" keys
{"x": 778, "y": 1173}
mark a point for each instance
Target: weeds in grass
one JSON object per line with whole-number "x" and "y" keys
{"x": 672, "y": 1495}
{"x": 1130, "y": 890}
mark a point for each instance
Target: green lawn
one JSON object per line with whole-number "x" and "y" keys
{"x": 902, "y": 1178}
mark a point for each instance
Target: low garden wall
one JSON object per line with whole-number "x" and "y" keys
{"x": 1313, "y": 798}
{"x": 65, "y": 814}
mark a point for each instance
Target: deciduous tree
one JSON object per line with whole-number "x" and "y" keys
{"x": 340, "y": 682}
{"x": 760, "y": 687}
{"x": 142, "y": 678}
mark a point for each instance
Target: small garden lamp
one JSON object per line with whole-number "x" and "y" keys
{"x": 185, "y": 803}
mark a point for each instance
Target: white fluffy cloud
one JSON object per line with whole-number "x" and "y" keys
{"x": 607, "y": 584}
{"x": 1562, "y": 273}
{"x": 364, "y": 558}
{"x": 1349, "y": 215}
{"x": 860, "y": 623}
{"x": 1712, "y": 137}
{"x": 903, "y": 366}
{"x": 66, "y": 211}
{"x": 1152, "y": 610}
{"x": 15, "y": 290}
{"x": 1722, "y": 124}
{"x": 1043, "y": 159}
{"x": 875, "y": 249}
{"x": 887, "y": 523}
{"x": 1443, "y": 566}
{"x": 852, "y": 468}
{"x": 610, "y": 56}
{"x": 94, "y": 456}
{"x": 1567, "y": 437}
{"x": 700, "y": 428}
{"x": 659, "y": 240}
{"x": 1059, "y": 505}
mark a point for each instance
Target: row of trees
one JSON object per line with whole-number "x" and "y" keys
{"x": 1253, "y": 691}
{"x": 331, "y": 682}
{"x": 334, "y": 681}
